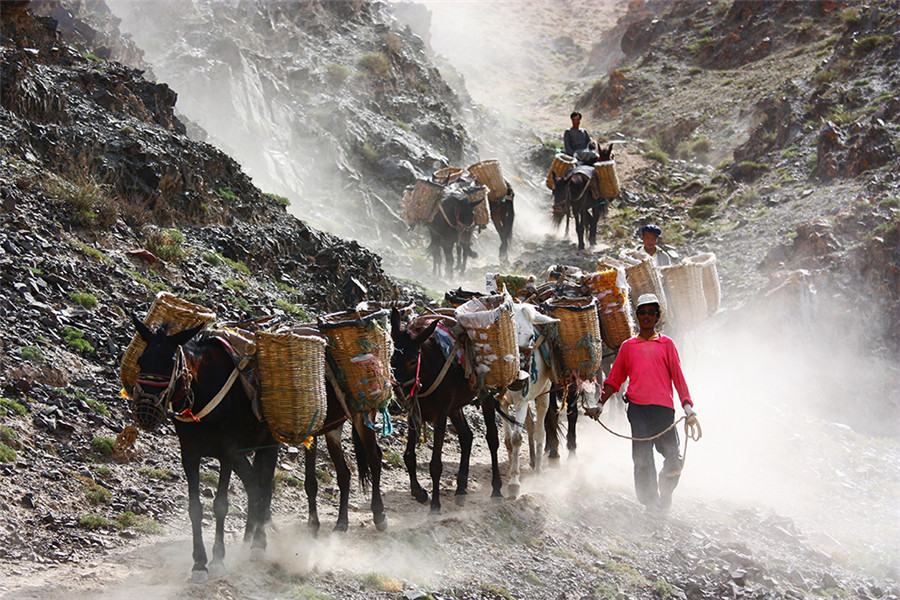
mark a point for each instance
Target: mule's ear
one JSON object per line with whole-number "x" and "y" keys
{"x": 395, "y": 322}
{"x": 609, "y": 152}
{"x": 183, "y": 337}
{"x": 423, "y": 335}
{"x": 142, "y": 329}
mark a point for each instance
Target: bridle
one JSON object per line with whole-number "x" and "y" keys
{"x": 155, "y": 406}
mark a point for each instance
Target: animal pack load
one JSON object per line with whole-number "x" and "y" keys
{"x": 166, "y": 308}
{"x": 492, "y": 346}
{"x": 519, "y": 287}
{"x": 712, "y": 291}
{"x": 478, "y": 196}
{"x": 422, "y": 201}
{"x": 605, "y": 180}
{"x": 684, "y": 293}
{"x": 292, "y": 381}
{"x": 562, "y": 164}
{"x": 642, "y": 278}
{"x": 448, "y": 175}
{"x": 578, "y": 343}
{"x": 359, "y": 352}
{"x": 487, "y": 172}
{"x": 610, "y": 289}
{"x": 459, "y": 296}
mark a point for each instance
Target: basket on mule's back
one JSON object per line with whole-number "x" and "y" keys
{"x": 422, "y": 201}
{"x": 610, "y": 289}
{"x": 684, "y": 293}
{"x": 487, "y": 172}
{"x": 360, "y": 348}
{"x": 492, "y": 345}
{"x": 712, "y": 290}
{"x": 578, "y": 341}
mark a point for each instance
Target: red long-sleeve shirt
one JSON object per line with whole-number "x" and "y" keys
{"x": 651, "y": 367}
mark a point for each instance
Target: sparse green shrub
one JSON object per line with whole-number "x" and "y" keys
{"x": 7, "y": 454}
{"x": 239, "y": 265}
{"x": 864, "y": 45}
{"x": 97, "y": 494}
{"x": 166, "y": 245}
{"x": 154, "y": 473}
{"x": 293, "y": 309}
{"x": 376, "y": 62}
{"x": 393, "y": 458}
{"x": 85, "y": 299}
{"x": 92, "y": 252}
{"x": 698, "y": 147}
{"x": 370, "y": 152}
{"x": 225, "y": 193}
{"x": 235, "y": 284}
{"x": 849, "y": 15}
{"x": 98, "y": 407}
{"x": 746, "y": 194}
{"x": 93, "y": 521}
{"x": 213, "y": 258}
{"x": 749, "y": 168}
{"x": 11, "y": 406}
{"x": 32, "y": 353}
{"x": 75, "y": 340}
{"x": 292, "y": 481}
{"x": 9, "y": 436}
{"x": 336, "y": 73}
{"x": 210, "y": 477}
{"x": 383, "y": 583}
{"x": 103, "y": 471}
{"x": 658, "y": 155}
{"x": 103, "y": 445}
{"x": 307, "y": 592}
{"x": 324, "y": 476}
{"x": 279, "y": 199}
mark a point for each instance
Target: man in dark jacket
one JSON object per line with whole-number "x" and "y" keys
{"x": 576, "y": 139}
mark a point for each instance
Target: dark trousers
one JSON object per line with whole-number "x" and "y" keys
{"x": 647, "y": 421}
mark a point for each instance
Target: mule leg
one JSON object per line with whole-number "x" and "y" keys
{"x": 530, "y": 428}
{"x": 448, "y": 257}
{"x": 465, "y": 436}
{"x": 336, "y": 452}
{"x": 373, "y": 456}
{"x": 513, "y": 435}
{"x": 552, "y": 428}
{"x": 409, "y": 459}
{"x": 311, "y": 486}
{"x": 493, "y": 440}
{"x": 543, "y": 404}
{"x": 191, "y": 465}
{"x": 220, "y": 508}
{"x": 436, "y": 467}
{"x": 579, "y": 229}
{"x": 593, "y": 216}
{"x": 572, "y": 419}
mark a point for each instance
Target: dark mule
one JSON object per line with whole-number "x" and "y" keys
{"x": 418, "y": 361}
{"x": 502, "y": 215}
{"x": 575, "y": 195}
{"x": 229, "y": 432}
{"x": 553, "y": 425}
{"x": 452, "y": 225}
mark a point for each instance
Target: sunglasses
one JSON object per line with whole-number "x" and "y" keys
{"x": 647, "y": 311}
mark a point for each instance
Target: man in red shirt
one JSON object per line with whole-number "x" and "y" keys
{"x": 650, "y": 363}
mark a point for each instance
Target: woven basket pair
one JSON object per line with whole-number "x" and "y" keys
{"x": 292, "y": 384}
{"x": 684, "y": 293}
{"x": 616, "y": 322}
{"x": 712, "y": 290}
{"x": 562, "y": 164}
{"x": 579, "y": 343}
{"x": 360, "y": 346}
{"x": 166, "y": 309}
{"x": 448, "y": 175}
{"x": 492, "y": 345}
{"x": 487, "y": 172}
{"x": 643, "y": 278}
{"x": 607, "y": 182}
{"x": 422, "y": 201}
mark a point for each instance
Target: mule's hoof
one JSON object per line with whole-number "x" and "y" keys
{"x": 257, "y": 554}
{"x": 513, "y": 491}
{"x": 341, "y": 527}
{"x": 460, "y": 499}
{"x": 382, "y": 524}
{"x": 199, "y": 576}
{"x": 421, "y": 497}
{"x": 553, "y": 462}
{"x": 435, "y": 515}
{"x": 216, "y": 569}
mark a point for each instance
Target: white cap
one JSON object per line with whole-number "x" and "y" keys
{"x": 647, "y": 299}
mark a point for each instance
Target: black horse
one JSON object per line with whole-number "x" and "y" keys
{"x": 185, "y": 376}
{"x": 572, "y": 196}
{"x": 418, "y": 362}
{"x": 452, "y": 225}
{"x": 502, "y": 215}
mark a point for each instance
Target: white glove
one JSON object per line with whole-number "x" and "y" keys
{"x": 689, "y": 411}
{"x": 594, "y": 412}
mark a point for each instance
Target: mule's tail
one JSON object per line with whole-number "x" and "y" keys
{"x": 362, "y": 460}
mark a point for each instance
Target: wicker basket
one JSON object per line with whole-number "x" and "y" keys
{"x": 487, "y": 172}
{"x": 482, "y": 210}
{"x": 711, "y": 288}
{"x": 644, "y": 278}
{"x": 579, "y": 342}
{"x": 492, "y": 345}
{"x": 360, "y": 346}
{"x": 610, "y": 289}
{"x": 448, "y": 175}
{"x": 421, "y": 201}
{"x": 607, "y": 181}
{"x": 166, "y": 308}
{"x": 684, "y": 294}
{"x": 562, "y": 164}
{"x": 518, "y": 286}
{"x": 292, "y": 384}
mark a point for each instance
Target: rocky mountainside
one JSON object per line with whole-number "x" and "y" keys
{"x": 109, "y": 196}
